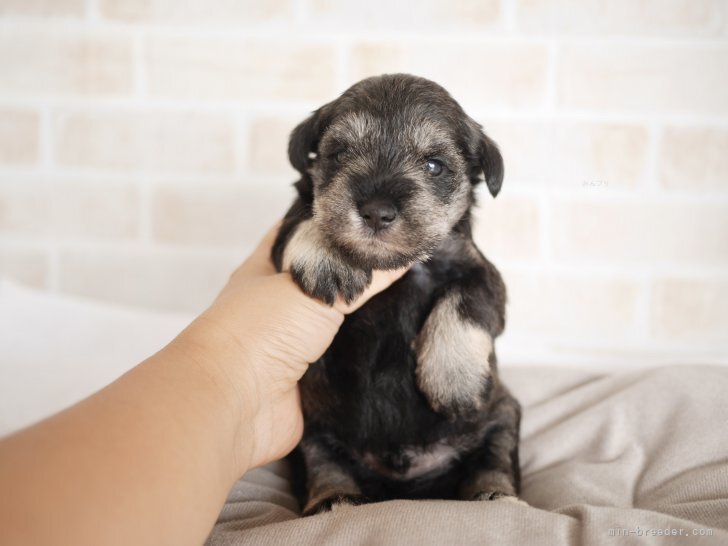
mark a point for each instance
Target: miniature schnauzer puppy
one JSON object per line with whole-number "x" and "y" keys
{"x": 406, "y": 403}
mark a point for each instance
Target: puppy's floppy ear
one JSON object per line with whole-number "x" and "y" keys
{"x": 491, "y": 162}
{"x": 304, "y": 141}
{"x": 301, "y": 145}
{"x": 486, "y": 158}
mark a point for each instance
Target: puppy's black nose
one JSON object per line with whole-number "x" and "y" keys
{"x": 378, "y": 213}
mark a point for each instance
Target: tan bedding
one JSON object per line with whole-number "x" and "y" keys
{"x": 607, "y": 459}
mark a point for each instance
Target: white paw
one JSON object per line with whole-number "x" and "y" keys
{"x": 515, "y": 500}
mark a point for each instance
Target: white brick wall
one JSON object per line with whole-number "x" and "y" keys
{"x": 143, "y": 150}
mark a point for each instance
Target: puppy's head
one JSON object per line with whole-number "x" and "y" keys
{"x": 390, "y": 167}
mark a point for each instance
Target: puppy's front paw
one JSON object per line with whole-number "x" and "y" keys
{"x": 319, "y": 270}
{"x": 497, "y": 495}
{"x": 332, "y": 503}
{"x": 327, "y": 277}
{"x": 453, "y": 360}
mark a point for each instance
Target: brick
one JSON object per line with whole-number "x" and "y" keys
{"x": 269, "y": 145}
{"x": 19, "y": 137}
{"x": 526, "y": 148}
{"x": 42, "y": 8}
{"x": 508, "y": 227}
{"x": 694, "y": 158}
{"x": 690, "y": 310}
{"x": 55, "y": 63}
{"x": 649, "y": 78}
{"x": 230, "y": 68}
{"x": 196, "y": 11}
{"x": 626, "y": 17}
{"x": 577, "y": 308}
{"x": 584, "y": 153}
{"x": 571, "y": 154}
{"x": 24, "y": 265}
{"x": 218, "y": 215}
{"x": 145, "y": 141}
{"x": 499, "y": 76}
{"x": 429, "y": 14}
{"x": 64, "y": 210}
{"x": 647, "y": 233}
{"x": 96, "y": 211}
{"x": 25, "y": 209}
{"x": 154, "y": 278}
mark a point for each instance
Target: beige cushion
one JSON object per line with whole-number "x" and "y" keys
{"x": 640, "y": 452}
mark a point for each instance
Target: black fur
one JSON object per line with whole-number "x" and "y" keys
{"x": 361, "y": 400}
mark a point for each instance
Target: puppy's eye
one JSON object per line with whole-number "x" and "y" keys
{"x": 340, "y": 156}
{"x": 434, "y": 167}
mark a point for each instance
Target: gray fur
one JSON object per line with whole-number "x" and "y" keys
{"x": 319, "y": 269}
{"x": 328, "y": 483}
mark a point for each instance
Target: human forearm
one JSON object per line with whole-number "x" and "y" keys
{"x": 151, "y": 458}
{"x": 147, "y": 460}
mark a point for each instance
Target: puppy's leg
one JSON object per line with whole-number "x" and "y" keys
{"x": 456, "y": 366}
{"x": 495, "y": 471}
{"x": 318, "y": 269}
{"x": 454, "y": 356}
{"x": 328, "y": 483}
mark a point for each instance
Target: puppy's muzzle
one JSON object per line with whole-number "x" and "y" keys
{"x": 378, "y": 213}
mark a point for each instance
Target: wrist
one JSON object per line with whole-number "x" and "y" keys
{"x": 222, "y": 367}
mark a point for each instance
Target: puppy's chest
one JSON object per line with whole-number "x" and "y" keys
{"x": 368, "y": 374}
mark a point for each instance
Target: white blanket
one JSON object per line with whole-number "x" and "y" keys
{"x": 56, "y": 350}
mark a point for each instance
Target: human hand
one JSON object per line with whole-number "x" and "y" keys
{"x": 261, "y": 333}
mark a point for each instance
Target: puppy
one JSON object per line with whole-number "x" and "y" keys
{"x": 406, "y": 403}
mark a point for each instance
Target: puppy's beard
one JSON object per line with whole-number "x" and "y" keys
{"x": 383, "y": 248}
{"x": 391, "y": 248}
